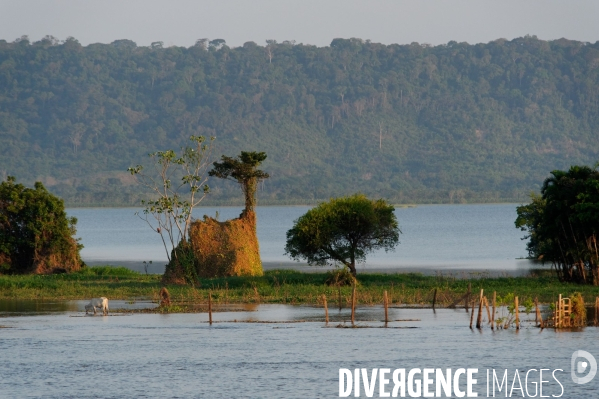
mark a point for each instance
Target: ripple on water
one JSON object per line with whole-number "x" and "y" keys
{"x": 180, "y": 355}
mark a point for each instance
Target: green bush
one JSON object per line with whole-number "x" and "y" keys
{"x": 108, "y": 271}
{"x": 36, "y": 236}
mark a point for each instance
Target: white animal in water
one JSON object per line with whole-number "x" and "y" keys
{"x": 97, "y": 303}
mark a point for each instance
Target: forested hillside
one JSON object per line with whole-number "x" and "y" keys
{"x": 410, "y": 123}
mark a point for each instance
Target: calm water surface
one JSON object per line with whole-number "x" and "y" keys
{"x": 436, "y": 237}
{"x": 52, "y": 350}
{"x": 67, "y": 355}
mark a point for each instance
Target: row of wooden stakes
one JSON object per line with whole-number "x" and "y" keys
{"x": 483, "y": 301}
{"x": 353, "y": 307}
{"x": 560, "y": 318}
{"x": 326, "y": 309}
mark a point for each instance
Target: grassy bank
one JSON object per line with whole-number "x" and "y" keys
{"x": 290, "y": 287}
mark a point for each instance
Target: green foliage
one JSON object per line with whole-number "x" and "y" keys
{"x": 528, "y": 305}
{"x": 243, "y": 170}
{"x": 340, "y": 278}
{"x": 183, "y": 262}
{"x": 277, "y": 286}
{"x": 343, "y": 230}
{"x": 409, "y": 123}
{"x": 35, "y": 232}
{"x": 168, "y": 211}
{"x": 507, "y": 300}
{"x": 563, "y": 224}
{"x": 579, "y": 312}
{"x": 113, "y": 271}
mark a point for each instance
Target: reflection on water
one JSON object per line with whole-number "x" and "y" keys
{"x": 28, "y": 307}
{"x": 180, "y": 355}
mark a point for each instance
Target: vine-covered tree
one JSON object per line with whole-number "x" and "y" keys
{"x": 563, "y": 224}
{"x": 343, "y": 230}
{"x": 36, "y": 236}
{"x": 243, "y": 170}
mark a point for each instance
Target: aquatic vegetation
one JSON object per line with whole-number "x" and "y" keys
{"x": 286, "y": 286}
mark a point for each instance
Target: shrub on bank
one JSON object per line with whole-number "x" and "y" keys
{"x": 36, "y": 236}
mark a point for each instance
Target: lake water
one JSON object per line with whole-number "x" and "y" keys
{"x": 60, "y": 353}
{"x": 51, "y": 349}
{"x": 447, "y": 238}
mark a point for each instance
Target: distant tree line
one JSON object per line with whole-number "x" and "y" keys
{"x": 409, "y": 123}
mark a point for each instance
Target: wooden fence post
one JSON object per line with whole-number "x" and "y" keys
{"x": 493, "y": 314}
{"x": 386, "y": 304}
{"x": 479, "y": 318}
{"x": 326, "y": 309}
{"x": 517, "y": 313}
{"x": 354, "y": 304}
{"x": 434, "y": 298}
{"x": 488, "y": 311}
{"x": 467, "y": 300}
{"x": 210, "y": 307}
{"x": 538, "y": 316}
{"x": 558, "y": 312}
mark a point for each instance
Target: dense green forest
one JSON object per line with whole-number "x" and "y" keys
{"x": 410, "y": 123}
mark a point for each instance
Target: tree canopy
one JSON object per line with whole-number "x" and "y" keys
{"x": 343, "y": 230}
{"x": 455, "y": 122}
{"x": 563, "y": 224}
{"x": 36, "y": 236}
{"x": 243, "y": 170}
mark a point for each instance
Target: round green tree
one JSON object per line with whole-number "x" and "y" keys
{"x": 36, "y": 236}
{"x": 343, "y": 230}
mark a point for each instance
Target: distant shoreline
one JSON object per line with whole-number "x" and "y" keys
{"x": 457, "y": 272}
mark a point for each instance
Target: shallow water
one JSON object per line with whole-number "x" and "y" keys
{"x": 29, "y": 307}
{"x": 181, "y": 355}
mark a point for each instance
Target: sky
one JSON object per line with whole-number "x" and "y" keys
{"x": 317, "y": 22}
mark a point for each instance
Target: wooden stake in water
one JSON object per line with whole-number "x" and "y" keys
{"x": 326, "y": 309}
{"x": 467, "y": 300}
{"x": 517, "y": 313}
{"x": 493, "y": 314}
{"x": 210, "y": 307}
{"x": 538, "y": 317}
{"x": 353, "y": 305}
{"x": 472, "y": 315}
{"x": 386, "y": 304}
{"x": 479, "y": 318}
{"x": 434, "y": 298}
{"x": 488, "y": 311}
{"x": 558, "y": 313}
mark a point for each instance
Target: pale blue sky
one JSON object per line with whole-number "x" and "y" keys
{"x": 181, "y": 22}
